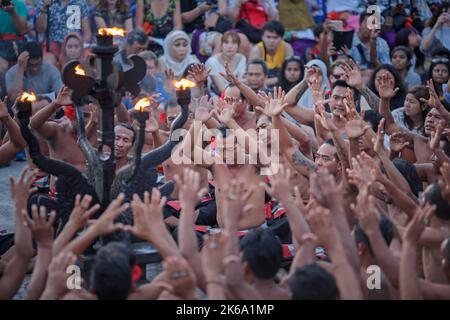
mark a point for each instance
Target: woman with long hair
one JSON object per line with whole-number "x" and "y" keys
{"x": 291, "y": 73}
{"x": 393, "y": 75}
{"x": 401, "y": 60}
{"x": 410, "y": 38}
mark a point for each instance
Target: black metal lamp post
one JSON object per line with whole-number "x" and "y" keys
{"x": 105, "y": 82}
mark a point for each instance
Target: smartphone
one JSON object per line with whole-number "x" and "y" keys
{"x": 342, "y": 38}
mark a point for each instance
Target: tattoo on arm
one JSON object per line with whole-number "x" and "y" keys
{"x": 300, "y": 159}
{"x": 301, "y": 90}
{"x": 372, "y": 99}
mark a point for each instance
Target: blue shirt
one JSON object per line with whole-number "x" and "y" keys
{"x": 65, "y": 18}
{"x": 382, "y": 51}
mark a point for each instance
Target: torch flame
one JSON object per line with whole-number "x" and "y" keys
{"x": 28, "y": 97}
{"x": 183, "y": 84}
{"x": 79, "y": 71}
{"x": 142, "y": 104}
{"x": 117, "y": 32}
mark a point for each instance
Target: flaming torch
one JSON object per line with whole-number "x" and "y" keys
{"x": 105, "y": 35}
{"x": 183, "y": 90}
{"x": 141, "y": 115}
{"x": 24, "y": 105}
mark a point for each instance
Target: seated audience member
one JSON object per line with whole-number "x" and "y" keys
{"x": 32, "y": 73}
{"x": 113, "y": 13}
{"x": 365, "y": 42}
{"x": 136, "y": 42}
{"x": 228, "y": 55}
{"x": 272, "y": 49}
{"x": 401, "y": 60}
{"x": 12, "y": 29}
{"x": 177, "y": 53}
{"x": 55, "y": 19}
{"x": 291, "y": 73}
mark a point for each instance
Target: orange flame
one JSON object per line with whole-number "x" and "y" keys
{"x": 116, "y": 32}
{"x": 142, "y": 104}
{"x": 79, "y": 71}
{"x": 28, "y": 97}
{"x": 184, "y": 84}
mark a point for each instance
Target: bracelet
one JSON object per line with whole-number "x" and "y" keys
{"x": 218, "y": 282}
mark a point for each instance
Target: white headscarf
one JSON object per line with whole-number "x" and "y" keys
{"x": 306, "y": 99}
{"x": 170, "y": 63}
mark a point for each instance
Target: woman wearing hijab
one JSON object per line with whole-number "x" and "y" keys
{"x": 71, "y": 49}
{"x": 306, "y": 99}
{"x": 177, "y": 53}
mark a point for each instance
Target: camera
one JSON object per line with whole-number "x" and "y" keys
{"x": 6, "y": 3}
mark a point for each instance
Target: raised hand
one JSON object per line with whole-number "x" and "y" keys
{"x": 398, "y": 141}
{"x": 199, "y": 73}
{"x": 22, "y": 60}
{"x": 352, "y": 74}
{"x": 213, "y": 253}
{"x": 21, "y": 189}
{"x": 322, "y": 225}
{"x": 56, "y": 285}
{"x": 386, "y": 88}
{"x": 323, "y": 117}
{"x": 275, "y": 105}
{"x": 356, "y": 128}
{"x": 82, "y": 211}
{"x": 361, "y": 175}
{"x": 236, "y": 197}
{"x": 41, "y": 227}
{"x": 378, "y": 143}
{"x": 147, "y": 215}
{"x": 179, "y": 278}
{"x": 190, "y": 189}
{"x": 151, "y": 125}
{"x": 105, "y": 223}
{"x": 435, "y": 138}
{"x": 417, "y": 225}
{"x": 225, "y": 111}
{"x": 325, "y": 190}
{"x": 280, "y": 184}
{"x": 366, "y": 211}
{"x": 202, "y": 110}
{"x": 64, "y": 97}
{"x": 229, "y": 76}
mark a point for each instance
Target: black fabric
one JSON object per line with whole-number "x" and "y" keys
{"x": 254, "y": 35}
{"x": 186, "y": 6}
{"x": 6, "y": 242}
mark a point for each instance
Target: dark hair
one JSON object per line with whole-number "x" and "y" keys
{"x": 111, "y": 272}
{"x": 418, "y": 92}
{"x": 34, "y": 49}
{"x": 263, "y": 253}
{"x": 129, "y": 127}
{"x": 283, "y": 83}
{"x": 409, "y": 172}
{"x": 121, "y": 5}
{"x": 433, "y": 195}
{"x": 397, "y": 79}
{"x": 402, "y": 39}
{"x": 262, "y": 63}
{"x": 430, "y": 75}
{"x": 387, "y": 231}
{"x": 312, "y": 282}
{"x": 406, "y": 51}
{"x": 373, "y": 117}
{"x": 342, "y": 83}
{"x": 362, "y": 17}
{"x": 437, "y": 12}
{"x": 318, "y": 30}
{"x": 138, "y": 36}
{"x": 274, "y": 26}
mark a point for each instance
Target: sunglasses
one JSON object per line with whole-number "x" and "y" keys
{"x": 440, "y": 60}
